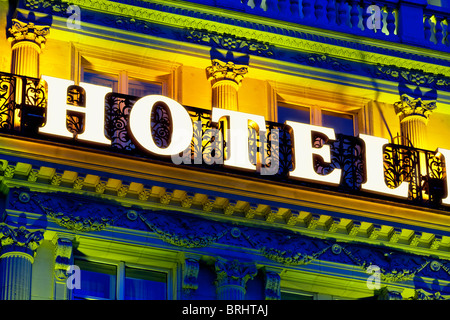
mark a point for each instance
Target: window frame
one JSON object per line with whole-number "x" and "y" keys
{"x": 315, "y": 99}
{"x": 120, "y": 276}
{"x": 125, "y": 66}
{"x": 316, "y": 112}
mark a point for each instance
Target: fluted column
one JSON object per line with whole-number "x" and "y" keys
{"x": 232, "y": 277}
{"x": 16, "y": 261}
{"x": 225, "y": 78}
{"x": 414, "y": 114}
{"x": 27, "y": 41}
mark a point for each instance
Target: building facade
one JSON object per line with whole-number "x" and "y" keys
{"x": 224, "y": 149}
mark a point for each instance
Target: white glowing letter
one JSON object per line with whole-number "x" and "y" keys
{"x": 237, "y": 142}
{"x": 446, "y": 154}
{"x": 94, "y": 110}
{"x": 304, "y": 151}
{"x": 140, "y": 125}
{"x": 375, "y": 181}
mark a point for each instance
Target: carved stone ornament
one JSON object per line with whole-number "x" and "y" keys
{"x": 220, "y": 70}
{"x": 63, "y": 258}
{"x": 272, "y": 288}
{"x": 234, "y": 272}
{"x": 183, "y": 230}
{"x": 408, "y": 106}
{"x": 20, "y": 239}
{"x": 191, "y": 269}
{"x": 22, "y": 31}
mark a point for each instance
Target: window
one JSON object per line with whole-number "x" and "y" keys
{"x": 107, "y": 281}
{"x": 105, "y": 80}
{"x": 145, "y": 284}
{"x": 97, "y": 281}
{"x": 297, "y": 114}
{"x": 122, "y": 83}
{"x": 341, "y": 122}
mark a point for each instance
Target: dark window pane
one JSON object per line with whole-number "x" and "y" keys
{"x": 98, "y": 280}
{"x": 141, "y": 88}
{"x": 296, "y": 296}
{"x": 341, "y": 123}
{"x": 293, "y": 114}
{"x": 145, "y": 285}
{"x": 101, "y": 80}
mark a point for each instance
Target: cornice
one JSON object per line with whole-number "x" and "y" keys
{"x": 131, "y": 194}
{"x": 181, "y": 231}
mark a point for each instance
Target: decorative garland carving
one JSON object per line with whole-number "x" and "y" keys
{"x": 228, "y": 42}
{"x": 183, "y": 230}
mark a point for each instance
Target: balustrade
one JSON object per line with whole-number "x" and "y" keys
{"x": 391, "y": 20}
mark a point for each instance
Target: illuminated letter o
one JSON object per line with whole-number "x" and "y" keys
{"x": 140, "y": 125}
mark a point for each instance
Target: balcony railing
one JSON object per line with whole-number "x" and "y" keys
{"x": 412, "y": 21}
{"x": 23, "y": 111}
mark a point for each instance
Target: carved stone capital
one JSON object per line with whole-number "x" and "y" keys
{"x": 220, "y": 70}
{"x": 23, "y": 31}
{"x": 409, "y": 106}
{"x": 20, "y": 239}
{"x": 234, "y": 273}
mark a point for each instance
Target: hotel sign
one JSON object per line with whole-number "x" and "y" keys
{"x": 139, "y": 128}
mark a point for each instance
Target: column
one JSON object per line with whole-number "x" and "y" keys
{"x": 225, "y": 78}
{"x": 414, "y": 114}
{"x": 232, "y": 277}
{"x": 27, "y": 41}
{"x": 63, "y": 263}
{"x": 16, "y": 260}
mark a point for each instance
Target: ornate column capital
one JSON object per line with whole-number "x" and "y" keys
{"x": 19, "y": 240}
{"x": 28, "y": 31}
{"x": 409, "y": 106}
{"x": 234, "y": 273}
{"x": 221, "y": 70}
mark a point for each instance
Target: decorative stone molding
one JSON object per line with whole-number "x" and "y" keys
{"x": 191, "y": 269}
{"x": 409, "y": 106}
{"x": 63, "y": 253}
{"x": 23, "y": 31}
{"x": 19, "y": 239}
{"x": 272, "y": 285}
{"x": 221, "y": 70}
{"x": 234, "y": 272}
{"x": 232, "y": 277}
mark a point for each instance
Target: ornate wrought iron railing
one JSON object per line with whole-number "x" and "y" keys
{"x": 23, "y": 111}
